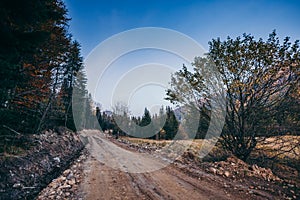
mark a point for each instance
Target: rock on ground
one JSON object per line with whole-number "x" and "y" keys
{"x": 67, "y": 185}
{"x": 23, "y": 177}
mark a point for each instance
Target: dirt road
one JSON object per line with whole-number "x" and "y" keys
{"x": 112, "y": 172}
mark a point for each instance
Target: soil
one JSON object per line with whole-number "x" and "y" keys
{"x": 107, "y": 176}
{"x": 24, "y": 176}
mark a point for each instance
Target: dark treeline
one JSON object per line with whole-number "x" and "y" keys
{"x": 168, "y": 130}
{"x": 167, "y": 122}
{"x": 40, "y": 66}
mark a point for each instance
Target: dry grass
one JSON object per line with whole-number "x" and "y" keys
{"x": 281, "y": 146}
{"x": 196, "y": 146}
{"x": 281, "y": 154}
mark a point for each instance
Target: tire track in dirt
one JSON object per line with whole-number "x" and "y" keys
{"x": 104, "y": 182}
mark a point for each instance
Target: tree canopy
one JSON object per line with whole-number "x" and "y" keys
{"x": 258, "y": 76}
{"x": 40, "y": 66}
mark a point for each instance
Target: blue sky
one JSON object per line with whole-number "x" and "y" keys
{"x": 96, "y": 20}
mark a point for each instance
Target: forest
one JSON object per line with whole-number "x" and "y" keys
{"x": 42, "y": 66}
{"x": 244, "y": 94}
{"x": 40, "y": 63}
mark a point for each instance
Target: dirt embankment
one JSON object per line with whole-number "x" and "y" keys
{"x": 23, "y": 177}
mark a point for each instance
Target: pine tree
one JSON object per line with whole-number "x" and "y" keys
{"x": 79, "y": 102}
{"x": 33, "y": 45}
{"x": 73, "y": 65}
{"x": 171, "y": 125}
{"x": 146, "y": 118}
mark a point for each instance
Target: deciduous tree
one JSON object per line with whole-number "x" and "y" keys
{"x": 258, "y": 77}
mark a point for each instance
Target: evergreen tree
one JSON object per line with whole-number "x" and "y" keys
{"x": 146, "y": 118}
{"x": 73, "y": 65}
{"x": 171, "y": 125}
{"x": 79, "y": 100}
{"x": 33, "y": 45}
